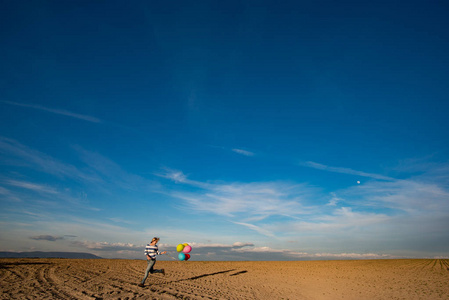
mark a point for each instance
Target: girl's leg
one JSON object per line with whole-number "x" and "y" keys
{"x": 156, "y": 270}
{"x": 159, "y": 271}
{"x": 150, "y": 264}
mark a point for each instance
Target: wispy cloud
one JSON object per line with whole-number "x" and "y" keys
{"x": 250, "y": 205}
{"x": 257, "y": 229}
{"x": 344, "y": 218}
{"x": 334, "y": 200}
{"x": 55, "y": 111}
{"x": 4, "y": 191}
{"x": 319, "y": 166}
{"x": 243, "y": 152}
{"x": 22, "y": 155}
{"x": 289, "y": 253}
{"x": 99, "y": 171}
{"x": 106, "y": 246}
{"x": 261, "y": 199}
{"x": 7, "y": 194}
{"x": 342, "y": 255}
{"x": 405, "y": 195}
{"x": 236, "y": 245}
{"x": 175, "y": 175}
{"x": 120, "y": 220}
{"x": 31, "y": 186}
{"x": 111, "y": 173}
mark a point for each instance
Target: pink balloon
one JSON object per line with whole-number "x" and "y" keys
{"x": 187, "y": 249}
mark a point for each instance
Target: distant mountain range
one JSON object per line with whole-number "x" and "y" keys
{"x": 40, "y": 254}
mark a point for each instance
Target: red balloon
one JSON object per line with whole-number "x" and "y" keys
{"x": 187, "y": 257}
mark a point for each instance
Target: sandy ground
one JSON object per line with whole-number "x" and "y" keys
{"x": 118, "y": 279}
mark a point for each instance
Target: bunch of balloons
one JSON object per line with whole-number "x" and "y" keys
{"x": 183, "y": 250}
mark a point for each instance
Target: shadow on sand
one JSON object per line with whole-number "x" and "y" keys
{"x": 238, "y": 273}
{"x": 206, "y": 275}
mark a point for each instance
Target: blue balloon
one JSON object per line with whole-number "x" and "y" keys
{"x": 181, "y": 256}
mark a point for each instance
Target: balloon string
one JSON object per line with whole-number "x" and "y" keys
{"x": 170, "y": 256}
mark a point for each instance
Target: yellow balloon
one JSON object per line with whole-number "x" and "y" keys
{"x": 180, "y": 247}
{"x": 185, "y": 244}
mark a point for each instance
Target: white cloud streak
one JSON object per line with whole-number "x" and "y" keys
{"x": 411, "y": 196}
{"x": 100, "y": 171}
{"x": 340, "y": 221}
{"x": 260, "y": 200}
{"x": 55, "y": 111}
{"x": 31, "y": 186}
{"x": 9, "y": 195}
{"x": 257, "y": 229}
{"x": 236, "y": 245}
{"x": 243, "y": 152}
{"x": 106, "y": 246}
{"x": 111, "y": 173}
{"x": 40, "y": 161}
{"x": 318, "y": 166}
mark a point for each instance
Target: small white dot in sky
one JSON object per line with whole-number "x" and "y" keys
{"x": 358, "y": 182}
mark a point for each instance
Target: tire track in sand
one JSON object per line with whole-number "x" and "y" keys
{"x": 51, "y": 285}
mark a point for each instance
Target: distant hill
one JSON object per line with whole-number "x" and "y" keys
{"x": 40, "y": 254}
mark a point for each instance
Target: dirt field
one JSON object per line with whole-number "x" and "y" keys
{"x": 118, "y": 279}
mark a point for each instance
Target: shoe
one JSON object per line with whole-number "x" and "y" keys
{"x": 163, "y": 272}
{"x": 141, "y": 285}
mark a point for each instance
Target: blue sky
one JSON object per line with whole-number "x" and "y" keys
{"x": 253, "y": 130}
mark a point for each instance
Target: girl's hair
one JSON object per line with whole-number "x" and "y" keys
{"x": 155, "y": 239}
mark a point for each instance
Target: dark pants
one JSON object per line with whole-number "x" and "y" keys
{"x": 150, "y": 265}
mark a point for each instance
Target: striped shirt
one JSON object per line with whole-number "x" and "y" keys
{"x": 152, "y": 251}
